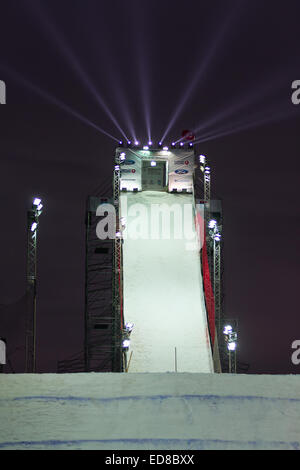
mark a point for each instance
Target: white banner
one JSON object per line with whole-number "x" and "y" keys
{"x": 2, "y": 352}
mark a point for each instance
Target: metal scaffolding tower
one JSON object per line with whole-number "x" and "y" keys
{"x": 30, "y": 339}
{"x": 118, "y": 359}
{"x": 98, "y": 343}
{"x": 104, "y": 323}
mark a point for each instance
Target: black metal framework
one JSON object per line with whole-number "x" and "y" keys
{"x": 104, "y": 323}
{"x": 30, "y": 334}
{"x": 99, "y": 324}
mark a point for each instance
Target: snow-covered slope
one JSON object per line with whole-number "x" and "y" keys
{"x": 163, "y": 291}
{"x": 149, "y": 411}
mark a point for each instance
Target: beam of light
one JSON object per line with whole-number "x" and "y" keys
{"x": 202, "y": 71}
{"x": 272, "y": 116}
{"x": 264, "y": 91}
{"x": 55, "y": 101}
{"x": 138, "y": 42}
{"x": 68, "y": 54}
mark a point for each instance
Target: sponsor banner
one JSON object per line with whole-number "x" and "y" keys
{"x": 131, "y": 178}
{"x": 181, "y": 169}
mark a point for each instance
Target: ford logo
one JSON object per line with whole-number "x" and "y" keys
{"x": 128, "y": 162}
{"x": 181, "y": 172}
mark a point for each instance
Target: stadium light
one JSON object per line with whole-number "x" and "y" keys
{"x": 227, "y": 329}
{"x": 129, "y": 326}
{"x": 36, "y": 201}
{"x": 33, "y": 226}
{"x": 212, "y": 223}
{"x": 126, "y": 343}
{"x": 231, "y": 346}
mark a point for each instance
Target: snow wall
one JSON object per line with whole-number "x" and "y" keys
{"x": 168, "y": 411}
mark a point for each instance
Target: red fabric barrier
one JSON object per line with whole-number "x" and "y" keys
{"x": 208, "y": 290}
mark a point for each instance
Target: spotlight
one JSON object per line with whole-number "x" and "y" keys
{"x": 150, "y": 143}
{"x": 122, "y": 156}
{"x": 202, "y": 159}
{"x": 126, "y": 343}
{"x": 37, "y": 201}
{"x": 207, "y": 170}
{"x": 145, "y": 147}
{"x": 173, "y": 145}
{"x": 121, "y": 144}
{"x": 40, "y": 207}
{"x": 159, "y": 145}
{"x": 33, "y": 226}
{"x": 129, "y": 143}
{"x": 181, "y": 144}
{"x": 129, "y": 326}
{"x": 191, "y": 145}
{"x": 227, "y": 329}
{"x": 166, "y": 149}
{"x": 217, "y": 237}
{"x": 212, "y": 223}
{"x": 231, "y": 346}
{"x": 153, "y": 163}
{"x": 136, "y": 143}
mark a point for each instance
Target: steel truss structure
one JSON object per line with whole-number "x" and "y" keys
{"x": 104, "y": 322}
{"x": 31, "y": 286}
{"x": 98, "y": 344}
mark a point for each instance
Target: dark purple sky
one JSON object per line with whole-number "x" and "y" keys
{"x": 144, "y": 58}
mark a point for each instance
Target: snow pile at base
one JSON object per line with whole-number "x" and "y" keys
{"x": 149, "y": 411}
{"x": 163, "y": 288}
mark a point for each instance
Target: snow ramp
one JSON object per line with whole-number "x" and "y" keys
{"x": 163, "y": 286}
{"x": 168, "y": 411}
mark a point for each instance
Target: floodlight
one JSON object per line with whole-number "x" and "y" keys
{"x": 227, "y": 329}
{"x": 217, "y": 237}
{"x": 33, "y": 226}
{"x": 126, "y": 343}
{"x": 231, "y": 346}
{"x": 146, "y": 147}
{"x": 212, "y": 223}
{"x": 122, "y": 156}
{"x": 153, "y": 163}
{"x": 202, "y": 159}
{"x": 129, "y": 326}
{"x": 150, "y": 143}
{"x": 181, "y": 144}
{"x": 37, "y": 201}
{"x": 166, "y": 148}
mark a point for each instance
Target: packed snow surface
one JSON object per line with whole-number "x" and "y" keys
{"x": 149, "y": 411}
{"x": 163, "y": 288}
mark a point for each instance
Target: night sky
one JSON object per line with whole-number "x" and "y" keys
{"x": 131, "y": 68}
